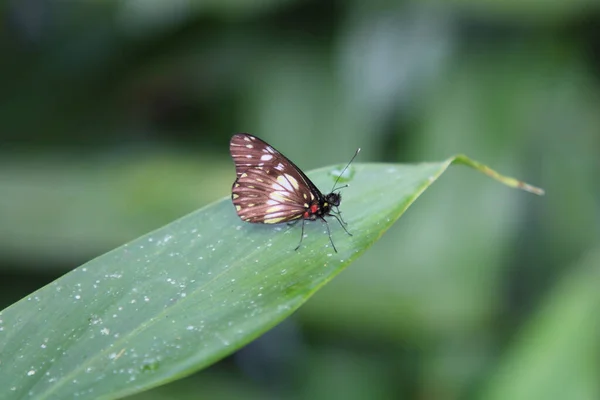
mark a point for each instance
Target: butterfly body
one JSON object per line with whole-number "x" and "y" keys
{"x": 322, "y": 207}
{"x": 271, "y": 189}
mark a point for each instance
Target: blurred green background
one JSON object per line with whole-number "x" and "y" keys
{"x": 115, "y": 118}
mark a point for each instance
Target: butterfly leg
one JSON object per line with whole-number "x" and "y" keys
{"x": 290, "y": 225}
{"x": 302, "y": 235}
{"x": 340, "y": 221}
{"x": 329, "y": 233}
{"x": 339, "y": 213}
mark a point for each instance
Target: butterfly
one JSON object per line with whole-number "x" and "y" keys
{"x": 270, "y": 189}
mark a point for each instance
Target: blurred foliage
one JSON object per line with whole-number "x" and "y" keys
{"x": 115, "y": 119}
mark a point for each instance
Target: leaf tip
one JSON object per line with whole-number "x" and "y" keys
{"x": 508, "y": 181}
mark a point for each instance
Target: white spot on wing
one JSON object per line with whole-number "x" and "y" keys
{"x": 273, "y": 220}
{"x": 284, "y": 182}
{"x": 278, "y": 197}
{"x": 266, "y": 157}
{"x": 279, "y": 167}
{"x": 277, "y": 187}
{"x": 292, "y": 180}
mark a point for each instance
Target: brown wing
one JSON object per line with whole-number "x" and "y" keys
{"x": 246, "y": 151}
{"x": 269, "y": 188}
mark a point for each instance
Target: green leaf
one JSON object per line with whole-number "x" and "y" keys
{"x": 188, "y": 294}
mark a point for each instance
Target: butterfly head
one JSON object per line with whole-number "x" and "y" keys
{"x": 333, "y": 199}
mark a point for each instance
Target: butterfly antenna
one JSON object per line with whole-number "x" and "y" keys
{"x": 344, "y": 170}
